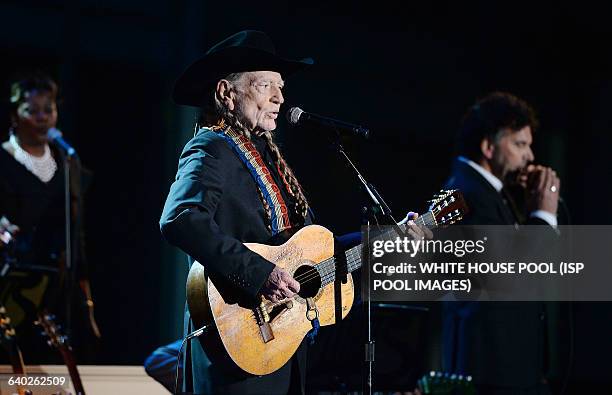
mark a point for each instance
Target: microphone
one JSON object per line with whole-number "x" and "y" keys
{"x": 297, "y": 116}
{"x": 55, "y": 136}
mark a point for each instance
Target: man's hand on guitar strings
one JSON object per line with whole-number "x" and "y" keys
{"x": 280, "y": 285}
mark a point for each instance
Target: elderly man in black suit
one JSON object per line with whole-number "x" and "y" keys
{"x": 234, "y": 186}
{"x": 221, "y": 196}
{"x": 500, "y": 343}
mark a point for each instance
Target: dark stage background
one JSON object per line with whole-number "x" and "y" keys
{"x": 407, "y": 71}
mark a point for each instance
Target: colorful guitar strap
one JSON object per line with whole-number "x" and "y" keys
{"x": 252, "y": 159}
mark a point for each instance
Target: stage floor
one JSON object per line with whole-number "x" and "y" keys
{"x": 96, "y": 379}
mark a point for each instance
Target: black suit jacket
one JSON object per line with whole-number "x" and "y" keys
{"x": 500, "y": 343}
{"x": 213, "y": 207}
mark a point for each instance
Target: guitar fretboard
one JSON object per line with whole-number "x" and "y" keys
{"x": 327, "y": 268}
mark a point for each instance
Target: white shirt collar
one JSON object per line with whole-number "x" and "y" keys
{"x": 494, "y": 181}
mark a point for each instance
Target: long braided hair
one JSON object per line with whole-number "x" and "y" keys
{"x": 215, "y": 115}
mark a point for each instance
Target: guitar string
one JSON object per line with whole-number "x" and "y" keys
{"x": 352, "y": 264}
{"x": 425, "y": 219}
{"x": 306, "y": 277}
{"x": 326, "y": 273}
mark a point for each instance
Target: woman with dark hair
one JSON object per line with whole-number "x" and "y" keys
{"x": 32, "y": 198}
{"x": 33, "y": 111}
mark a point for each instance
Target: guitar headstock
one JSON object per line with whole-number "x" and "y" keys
{"x": 7, "y": 331}
{"x": 448, "y": 207}
{"x": 55, "y": 338}
{"x": 440, "y": 383}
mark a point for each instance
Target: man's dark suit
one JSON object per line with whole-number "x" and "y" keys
{"x": 213, "y": 207}
{"x": 501, "y": 344}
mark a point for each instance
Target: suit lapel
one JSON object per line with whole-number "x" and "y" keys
{"x": 504, "y": 206}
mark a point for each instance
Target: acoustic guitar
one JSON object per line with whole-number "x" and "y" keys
{"x": 262, "y": 339}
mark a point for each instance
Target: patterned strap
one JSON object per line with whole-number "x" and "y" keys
{"x": 261, "y": 174}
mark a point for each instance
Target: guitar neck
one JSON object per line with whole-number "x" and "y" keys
{"x": 327, "y": 268}
{"x": 61, "y": 343}
{"x": 16, "y": 360}
{"x": 66, "y": 352}
{"x": 18, "y": 365}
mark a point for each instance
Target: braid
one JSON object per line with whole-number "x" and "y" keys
{"x": 230, "y": 119}
{"x": 267, "y": 209}
{"x": 295, "y": 189}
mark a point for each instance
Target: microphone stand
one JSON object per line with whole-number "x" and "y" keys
{"x": 70, "y": 263}
{"x": 376, "y": 209}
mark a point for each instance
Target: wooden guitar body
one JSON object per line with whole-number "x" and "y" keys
{"x": 264, "y": 350}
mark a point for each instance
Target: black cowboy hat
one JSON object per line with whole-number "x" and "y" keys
{"x": 248, "y": 50}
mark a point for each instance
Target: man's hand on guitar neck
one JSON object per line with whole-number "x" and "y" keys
{"x": 418, "y": 232}
{"x": 280, "y": 285}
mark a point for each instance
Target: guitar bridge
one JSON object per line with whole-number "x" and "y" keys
{"x": 263, "y": 320}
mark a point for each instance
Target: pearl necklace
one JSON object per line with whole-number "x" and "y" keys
{"x": 43, "y": 167}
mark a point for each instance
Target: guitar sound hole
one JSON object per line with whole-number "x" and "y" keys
{"x": 309, "y": 279}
